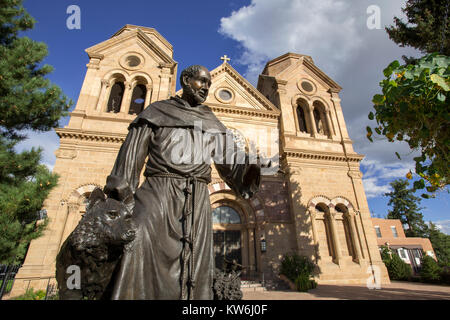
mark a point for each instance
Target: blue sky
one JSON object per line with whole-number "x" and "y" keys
{"x": 333, "y": 32}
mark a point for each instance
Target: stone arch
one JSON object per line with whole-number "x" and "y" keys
{"x": 111, "y": 75}
{"x": 317, "y": 199}
{"x": 340, "y": 199}
{"x": 77, "y": 196}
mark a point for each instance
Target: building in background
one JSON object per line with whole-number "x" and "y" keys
{"x": 316, "y": 206}
{"x": 390, "y": 233}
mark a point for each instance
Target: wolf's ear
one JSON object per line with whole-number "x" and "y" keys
{"x": 96, "y": 196}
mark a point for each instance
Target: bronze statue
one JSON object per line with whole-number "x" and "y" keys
{"x": 172, "y": 254}
{"x": 95, "y": 247}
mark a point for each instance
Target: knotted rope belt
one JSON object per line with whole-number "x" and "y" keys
{"x": 188, "y": 238}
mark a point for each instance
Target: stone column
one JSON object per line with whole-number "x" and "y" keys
{"x": 103, "y": 96}
{"x": 126, "y": 99}
{"x": 164, "y": 82}
{"x": 148, "y": 96}
{"x": 351, "y": 219}
{"x": 329, "y": 125}
{"x": 335, "y": 236}
{"x": 312, "y": 215}
{"x": 312, "y": 120}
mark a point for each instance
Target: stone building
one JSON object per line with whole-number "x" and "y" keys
{"x": 315, "y": 206}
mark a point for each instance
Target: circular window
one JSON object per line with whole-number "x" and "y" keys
{"x": 133, "y": 61}
{"x": 307, "y": 86}
{"x": 224, "y": 95}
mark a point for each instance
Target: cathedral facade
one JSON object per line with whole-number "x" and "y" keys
{"x": 315, "y": 205}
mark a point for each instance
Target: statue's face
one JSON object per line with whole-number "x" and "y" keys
{"x": 197, "y": 87}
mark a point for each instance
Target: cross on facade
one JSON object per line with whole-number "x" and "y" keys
{"x": 225, "y": 59}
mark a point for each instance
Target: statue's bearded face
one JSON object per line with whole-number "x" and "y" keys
{"x": 196, "y": 88}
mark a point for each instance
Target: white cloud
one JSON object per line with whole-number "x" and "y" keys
{"x": 335, "y": 34}
{"x": 325, "y": 29}
{"x": 47, "y": 141}
{"x": 372, "y": 188}
{"x": 377, "y": 176}
{"x": 443, "y": 225}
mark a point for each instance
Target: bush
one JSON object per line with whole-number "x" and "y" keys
{"x": 31, "y": 295}
{"x": 298, "y": 269}
{"x": 304, "y": 283}
{"x": 445, "y": 275}
{"x": 430, "y": 270}
{"x": 397, "y": 269}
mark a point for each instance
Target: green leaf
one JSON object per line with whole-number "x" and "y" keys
{"x": 398, "y": 156}
{"x": 371, "y": 116}
{"x": 440, "y": 82}
{"x": 378, "y": 99}
{"x": 420, "y": 184}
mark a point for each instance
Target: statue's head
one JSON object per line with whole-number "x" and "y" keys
{"x": 196, "y": 82}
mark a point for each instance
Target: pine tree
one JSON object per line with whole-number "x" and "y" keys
{"x": 427, "y": 28}
{"x": 405, "y": 207}
{"x": 27, "y": 101}
{"x": 441, "y": 244}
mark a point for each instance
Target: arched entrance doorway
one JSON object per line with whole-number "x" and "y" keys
{"x": 227, "y": 226}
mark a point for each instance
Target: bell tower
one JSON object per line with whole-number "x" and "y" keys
{"x": 327, "y": 198}
{"x": 125, "y": 73}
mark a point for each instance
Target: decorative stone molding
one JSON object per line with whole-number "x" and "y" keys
{"x": 66, "y": 153}
{"x": 317, "y": 155}
{"x": 318, "y": 199}
{"x": 244, "y": 111}
{"x": 355, "y": 174}
{"x": 342, "y": 200}
{"x": 94, "y": 137}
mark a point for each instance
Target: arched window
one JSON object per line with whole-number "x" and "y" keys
{"x": 301, "y": 119}
{"x": 302, "y": 107}
{"x": 329, "y": 246}
{"x": 319, "y": 121}
{"x": 138, "y": 99}
{"x": 115, "y": 97}
{"x": 349, "y": 250}
{"x": 224, "y": 214}
{"x": 320, "y": 118}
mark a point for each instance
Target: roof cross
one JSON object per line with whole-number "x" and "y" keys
{"x": 225, "y": 59}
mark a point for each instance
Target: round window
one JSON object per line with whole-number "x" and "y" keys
{"x": 133, "y": 61}
{"x": 225, "y": 95}
{"x": 307, "y": 86}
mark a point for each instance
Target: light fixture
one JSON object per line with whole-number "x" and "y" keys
{"x": 263, "y": 245}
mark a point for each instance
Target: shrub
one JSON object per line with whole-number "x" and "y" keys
{"x": 397, "y": 269}
{"x": 298, "y": 269}
{"x": 31, "y": 295}
{"x": 445, "y": 275}
{"x": 303, "y": 283}
{"x": 430, "y": 270}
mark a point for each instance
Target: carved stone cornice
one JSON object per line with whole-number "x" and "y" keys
{"x": 90, "y": 136}
{"x": 244, "y": 111}
{"x": 317, "y": 155}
